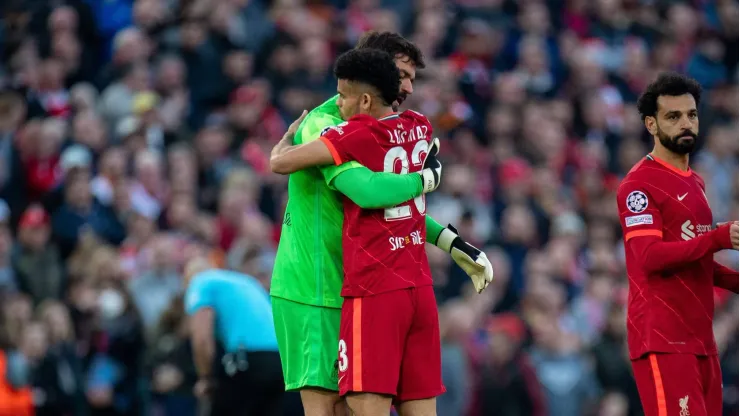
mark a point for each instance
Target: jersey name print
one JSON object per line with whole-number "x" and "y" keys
{"x": 383, "y": 249}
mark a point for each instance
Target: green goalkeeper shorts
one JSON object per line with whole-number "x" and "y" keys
{"x": 308, "y": 339}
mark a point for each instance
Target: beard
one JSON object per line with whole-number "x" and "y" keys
{"x": 401, "y": 98}
{"x": 681, "y": 144}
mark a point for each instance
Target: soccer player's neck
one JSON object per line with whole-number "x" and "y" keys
{"x": 380, "y": 111}
{"x": 679, "y": 161}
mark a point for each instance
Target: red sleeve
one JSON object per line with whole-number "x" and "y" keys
{"x": 639, "y": 213}
{"x": 424, "y": 121}
{"x": 725, "y": 277}
{"x": 656, "y": 254}
{"x": 640, "y": 216}
{"x": 345, "y": 141}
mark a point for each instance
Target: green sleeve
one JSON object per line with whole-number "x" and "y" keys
{"x": 434, "y": 229}
{"x": 330, "y": 172}
{"x": 371, "y": 190}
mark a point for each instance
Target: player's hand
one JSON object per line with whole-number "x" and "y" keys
{"x": 473, "y": 261}
{"x": 733, "y": 232}
{"x": 294, "y": 125}
{"x": 734, "y": 235}
{"x": 431, "y": 174}
{"x": 203, "y": 388}
{"x": 287, "y": 141}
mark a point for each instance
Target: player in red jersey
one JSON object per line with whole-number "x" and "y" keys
{"x": 669, "y": 245}
{"x": 389, "y": 349}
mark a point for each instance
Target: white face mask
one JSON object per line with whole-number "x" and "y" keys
{"x": 110, "y": 303}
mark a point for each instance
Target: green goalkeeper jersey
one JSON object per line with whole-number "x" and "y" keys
{"x": 308, "y": 266}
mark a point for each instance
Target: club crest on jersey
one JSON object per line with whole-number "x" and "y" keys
{"x": 637, "y": 202}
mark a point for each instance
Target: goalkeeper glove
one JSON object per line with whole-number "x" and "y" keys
{"x": 473, "y": 261}
{"x": 431, "y": 173}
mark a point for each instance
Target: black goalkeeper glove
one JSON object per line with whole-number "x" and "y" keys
{"x": 431, "y": 173}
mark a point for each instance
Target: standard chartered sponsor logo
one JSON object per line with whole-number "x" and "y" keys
{"x": 689, "y": 230}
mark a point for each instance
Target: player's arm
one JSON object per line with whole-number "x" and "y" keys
{"x": 655, "y": 255}
{"x": 471, "y": 260}
{"x": 726, "y": 278}
{"x": 372, "y": 190}
{"x": 642, "y": 226}
{"x": 288, "y": 159}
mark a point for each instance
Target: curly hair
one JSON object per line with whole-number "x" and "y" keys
{"x": 392, "y": 43}
{"x": 372, "y": 67}
{"x": 668, "y": 83}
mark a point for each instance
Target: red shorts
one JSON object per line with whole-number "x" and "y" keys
{"x": 389, "y": 344}
{"x": 679, "y": 384}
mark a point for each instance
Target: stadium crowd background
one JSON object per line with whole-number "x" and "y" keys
{"x": 136, "y": 133}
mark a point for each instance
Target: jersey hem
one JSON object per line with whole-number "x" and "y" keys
{"x": 308, "y": 303}
{"x": 367, "y": 295}
{"x": 643, "y": 354}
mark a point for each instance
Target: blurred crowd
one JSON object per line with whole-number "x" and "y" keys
{"x": 136, "y": 133}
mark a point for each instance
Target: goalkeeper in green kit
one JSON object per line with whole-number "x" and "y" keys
{"x": 308, "y": 274}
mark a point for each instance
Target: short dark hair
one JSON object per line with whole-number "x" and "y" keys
{"x": 373, "y": 67}
{"x": 668, "y": 83}
{"x": 392, "y": 43}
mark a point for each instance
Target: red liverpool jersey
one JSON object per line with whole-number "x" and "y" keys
{"x": 383, "y": 249}
{"x": 671, "y": 301}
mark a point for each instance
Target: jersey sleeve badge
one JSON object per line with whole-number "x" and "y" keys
{"x": 637, "y": 202}
{"x": 337, "y": 128}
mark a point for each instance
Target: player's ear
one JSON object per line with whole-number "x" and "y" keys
{"x": 366, "y": 101}
{"x": 651, "y": 125}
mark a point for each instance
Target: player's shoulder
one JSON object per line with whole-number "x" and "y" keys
{"x": 413, "y": 114}
{"x": 314, "y": 125}
{"x": 698, "y": 178}
{"x": 638, "y": 174}
{"x": 320, "y": 118}
{"x": 360, "y": 122}
{"x": 634, "y": 187}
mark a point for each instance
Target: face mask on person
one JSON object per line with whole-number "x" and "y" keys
{"x": 111, "y": 304}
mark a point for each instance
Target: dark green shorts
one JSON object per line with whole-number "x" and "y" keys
{"x": 308, "y": 339}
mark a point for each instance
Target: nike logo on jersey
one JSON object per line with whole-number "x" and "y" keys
{"x": 680, "y": 198}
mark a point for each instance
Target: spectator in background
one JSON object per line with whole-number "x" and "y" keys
{"x": 154, "y": 290}
{"x": 612, "y": 361}
{"x": 568, "y": 381}
{"x": 173, "y": 371}
{"x": 118, "y": 341}
{"x": 8, "y": 282}
{"x": 36, "y": 260}
{"x": 455, "y": 327}
{"x": 508, "y": 384}
{"x": 62, "y": 351}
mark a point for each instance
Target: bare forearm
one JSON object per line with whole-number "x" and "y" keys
{"x": 204, "y": 350}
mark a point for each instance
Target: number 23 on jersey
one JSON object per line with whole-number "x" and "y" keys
{"x": 399, "y": 154}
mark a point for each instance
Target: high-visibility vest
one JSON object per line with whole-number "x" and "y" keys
{"x": 13, "y": 402}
